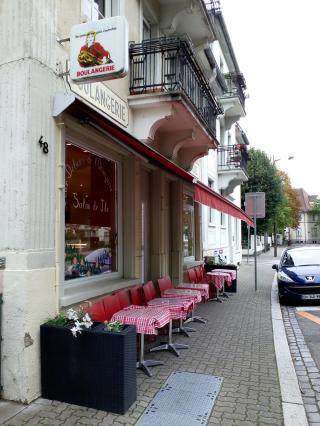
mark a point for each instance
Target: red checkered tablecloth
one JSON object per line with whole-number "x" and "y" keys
{"x": 178, "y": 307}
{"x": 231, "y": 272}
{"x": 146, "y": 319}
{"x": 181, "y": 292}
{"x": 218, "y": 279}
{"x": 203, "y": 288}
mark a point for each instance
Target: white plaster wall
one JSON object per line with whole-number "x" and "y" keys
{"x": 28, "y": 296}
{"x": 27, "y": 199}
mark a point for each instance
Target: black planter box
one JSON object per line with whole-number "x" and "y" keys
{"x": 96, "y": 369}
{"x": 233, "y": 287}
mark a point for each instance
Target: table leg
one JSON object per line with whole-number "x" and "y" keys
{"x": 224, "y": 294}
{"x": 144, "y": 364}
{"x": 195, "y": 318}
{"x": 183, "y": 329}
{"x": 170, "y": 346}
{"x": 217, "y": 298}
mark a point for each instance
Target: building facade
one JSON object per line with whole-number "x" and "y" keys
{"x": 225, "y": 168}
{"x": 308, "y": 231}
{"x": 96, "y": 190}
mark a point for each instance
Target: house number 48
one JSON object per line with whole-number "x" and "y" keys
{"x": 43, "y": 145}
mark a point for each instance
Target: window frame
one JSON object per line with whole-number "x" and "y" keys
{"x": 192, "y": 256}
{"x": 77, "y": 285}
{"x": 212, "y": 212}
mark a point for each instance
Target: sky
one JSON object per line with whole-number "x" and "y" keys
{"x": 277, "y": 46}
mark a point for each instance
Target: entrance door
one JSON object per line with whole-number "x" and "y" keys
{"x": 145, "y": 227}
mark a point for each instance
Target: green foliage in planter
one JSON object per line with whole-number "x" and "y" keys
{"x": 115, "y": 326}
{"x": 60, "y": 320}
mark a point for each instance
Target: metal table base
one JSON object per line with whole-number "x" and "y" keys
{"x": 182, "y": 329}
{"x": 144, "y": 364}
{"x": 170, "y": 346}
{"x": 196, "y": 318}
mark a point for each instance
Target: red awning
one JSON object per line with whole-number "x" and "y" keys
{"x": 203, "y": 194}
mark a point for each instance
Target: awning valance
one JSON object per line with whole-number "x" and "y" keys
{"x": 203, "y": 194}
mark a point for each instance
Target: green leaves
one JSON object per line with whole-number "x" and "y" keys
{"x": 282, "y": 204}
{"x": 115, "y": 326}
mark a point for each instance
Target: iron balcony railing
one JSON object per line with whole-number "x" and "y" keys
{"x": 233, "y": 157}
{"x": 236, "y": 85}
{"x": 169, "y": 65}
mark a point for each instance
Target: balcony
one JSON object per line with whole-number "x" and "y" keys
{"x": 232, "y": 167}
{"x": 170, "y": 92}
{"x": 232, "y": 99}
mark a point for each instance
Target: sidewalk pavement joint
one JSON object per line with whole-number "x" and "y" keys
{"x": 292, "y": 404}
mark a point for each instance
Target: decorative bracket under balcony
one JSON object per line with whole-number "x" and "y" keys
{"x": 171, "y": 96}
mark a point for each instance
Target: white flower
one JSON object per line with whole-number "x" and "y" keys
{"x": 86, "y": 322}
{"x": 86, "y": 318}
{"x": 72, "y": 314}
{"x": 74, "y": 331}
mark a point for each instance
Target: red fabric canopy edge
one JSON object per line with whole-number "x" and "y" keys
{"x": 204, "y": 195}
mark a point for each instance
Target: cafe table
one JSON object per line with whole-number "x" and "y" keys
{"x": 204, "y": 290}
{"x": 202, "y": 287}
{"x": 147, "y": 321}
{"x": 217, "y": 279}
{"x": 178, "y": 310}
{"x": 182, "y": 293}
{"x": 231, "y": 272}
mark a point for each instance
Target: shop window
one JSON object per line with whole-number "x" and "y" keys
{"x": 91, "y": 246}
{"x": 188, "y": 226}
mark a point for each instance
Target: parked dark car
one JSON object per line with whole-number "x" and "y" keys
{"x": 298, "y": 274}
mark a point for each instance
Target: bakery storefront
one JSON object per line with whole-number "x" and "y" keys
{"x": 118, "y": 199}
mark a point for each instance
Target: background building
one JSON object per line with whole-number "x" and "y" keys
{"x": 308, "y": 230}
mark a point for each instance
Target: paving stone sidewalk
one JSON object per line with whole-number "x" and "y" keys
{"x": 237, "y": 344}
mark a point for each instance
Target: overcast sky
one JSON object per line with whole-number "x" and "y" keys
{"x": 277, "y": 45}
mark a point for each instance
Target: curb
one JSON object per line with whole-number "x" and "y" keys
{"x": 292, "y": 404}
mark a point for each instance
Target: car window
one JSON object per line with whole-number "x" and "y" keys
{"x": 287, "y": 260}
{"x": 301, "y": 257}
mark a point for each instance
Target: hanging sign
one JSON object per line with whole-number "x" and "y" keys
{"x": 104, "y": 99}
{"x": 99, "y": 50}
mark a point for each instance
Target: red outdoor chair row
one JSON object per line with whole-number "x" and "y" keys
{"x": 196, "y": 274}
{"x": 103, "y": 309}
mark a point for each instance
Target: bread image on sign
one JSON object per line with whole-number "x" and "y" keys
{"x": 99, "y": 50}
{"x": 93, "y": 53}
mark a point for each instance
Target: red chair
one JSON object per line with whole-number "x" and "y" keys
{"x": 164, "y": 283}
{"x": 192, "y": 277}
{"x": 111, "y": 305}
{"x": 136, "y": 295}
{"x": 96, "y": 311}
{"x": 123, "y": 297}
{"x": 149, "y": 292}
{"x": 199, "y": 271}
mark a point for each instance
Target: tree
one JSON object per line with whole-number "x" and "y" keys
{"x": 264, "y": 177}
{"x": 316, "y": 211}
{"x": 289, "y": 211}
